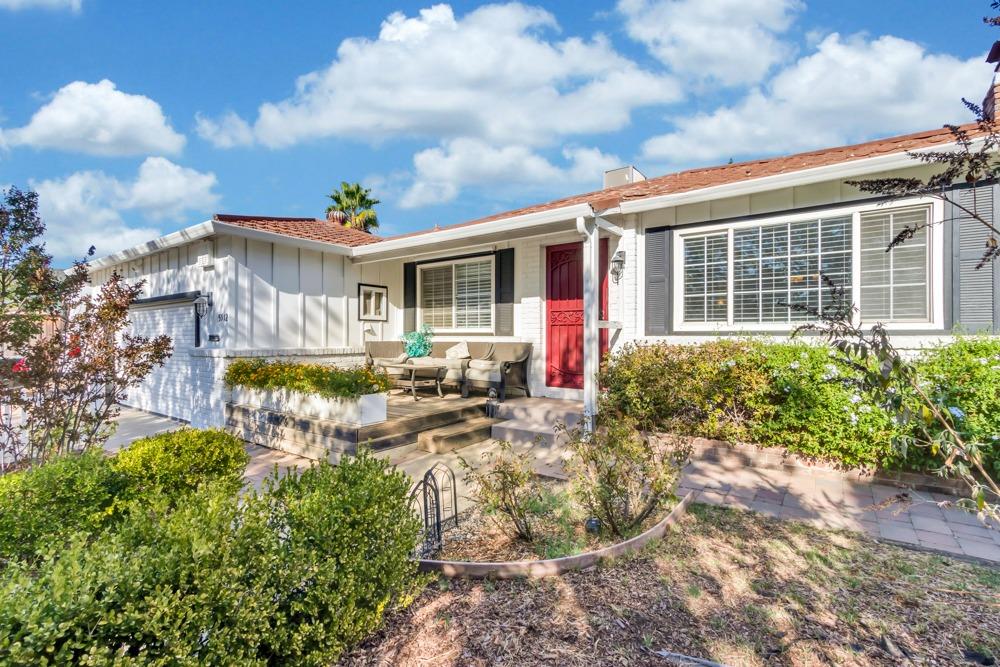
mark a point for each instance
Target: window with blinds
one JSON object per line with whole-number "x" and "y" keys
{"x": 894, "y": 284}
{"x": 772, "y": 274}
{"x": 457, "y": 296}
{"x": 706, "y": 278}
{"x": 776, "y": 267}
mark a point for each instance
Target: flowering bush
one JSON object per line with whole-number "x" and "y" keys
{"x": 328, "y": 381}
{"x": 791, "y": 395}
{"x": 965, "y": 376}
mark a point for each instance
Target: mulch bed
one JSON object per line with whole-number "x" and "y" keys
{"x": 733, "y": 587}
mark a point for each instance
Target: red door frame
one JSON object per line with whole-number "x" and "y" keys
{"x": 564, "y": 313}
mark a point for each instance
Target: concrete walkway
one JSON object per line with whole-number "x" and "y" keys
{"x": 834, "y": 503}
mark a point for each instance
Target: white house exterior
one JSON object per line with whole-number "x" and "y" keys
{"x": 707, "y": 252}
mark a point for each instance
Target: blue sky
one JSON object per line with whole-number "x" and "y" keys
{"x": 136, "y": 119}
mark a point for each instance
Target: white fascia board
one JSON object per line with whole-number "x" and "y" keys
{"x": 274, "y": 237}
{"x": 836, "y": 171}
{"x": 186, "y": 235}
{"x": 513, "y": 224}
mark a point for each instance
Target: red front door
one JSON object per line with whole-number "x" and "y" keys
{"x": 564, "y": 313}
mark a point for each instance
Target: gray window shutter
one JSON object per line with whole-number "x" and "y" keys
{"x": 504, "y": 325}
{"x": 976, "y": 304}
{"x": 657, "y": 268}
{"x": 409, "y": 297}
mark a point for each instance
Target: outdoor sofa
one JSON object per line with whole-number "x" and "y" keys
{"x": 499, "y": 366}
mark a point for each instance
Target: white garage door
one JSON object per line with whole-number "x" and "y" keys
{"x": 168, "y": 389}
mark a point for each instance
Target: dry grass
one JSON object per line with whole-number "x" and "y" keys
{"x": 733, "y": 587}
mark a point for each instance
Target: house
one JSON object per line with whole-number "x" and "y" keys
{"x": 681, "y": 257}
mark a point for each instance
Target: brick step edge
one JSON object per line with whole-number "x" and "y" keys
{"x": 755, "y": 456}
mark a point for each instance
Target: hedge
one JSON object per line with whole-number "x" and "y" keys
{"x": 178, "y": 461}
{"x": 292, "y": 575}
{"x": 328, "y": 381}
{"x": 797, "y": 396}
{"x": 43, "y": 507}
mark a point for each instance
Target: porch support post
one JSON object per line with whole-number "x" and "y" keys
{"x": 591, "y": 311}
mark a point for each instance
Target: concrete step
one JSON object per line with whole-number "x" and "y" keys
{"x": 454, "y": 436}
{"x": 549, "y": 411}
{"x": 539, "y": 438}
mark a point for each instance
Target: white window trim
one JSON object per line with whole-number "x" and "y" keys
{"x": 935, "y": 261}
{"x": 454, "y": 297}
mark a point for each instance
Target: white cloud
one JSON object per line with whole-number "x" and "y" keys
{"x": 98, "y": 119}
{"x": 440, "y": 173}
{"x": 850, "y": 89}
{"x": 227, "y": 132}
{"x": 734, "y": 42}
{"x": 72, "y": 5}
{"x": 494, "y": 74}
{"x": 86, "y": 208}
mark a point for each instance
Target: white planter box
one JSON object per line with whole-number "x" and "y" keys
{"x": 362, "y": 411}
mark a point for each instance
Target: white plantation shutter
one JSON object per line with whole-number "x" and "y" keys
{"x": 894, "y": 284}
{"x": 436, "y": 297}
{"x": 457, "y": 296}
{"x": 775, "y": 266}
{"x": 474, "y": 295}
{"x": 706, "y": 272}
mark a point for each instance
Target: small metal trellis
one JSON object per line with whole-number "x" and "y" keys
{"x": 435, "y": 500}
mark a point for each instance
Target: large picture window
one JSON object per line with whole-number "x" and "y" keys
{"x": 457, "y": 296}
{"x": 757, "y": 274}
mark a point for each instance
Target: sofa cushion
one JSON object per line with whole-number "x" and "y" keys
{"x": 459, "y": 351}
{"x": 425, "y": 361}
{"x": 484, "y": 364}
{"x": 483, "y": 375}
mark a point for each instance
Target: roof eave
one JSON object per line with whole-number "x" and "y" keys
{"x": 172, "y": 240}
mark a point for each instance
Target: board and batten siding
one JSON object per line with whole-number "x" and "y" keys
{"x": 288, "y": 297}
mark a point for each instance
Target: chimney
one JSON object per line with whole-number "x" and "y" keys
{"x": 990, "y": 101}
{"x": 336, "y": 217}
{"x": 622, "y": 176}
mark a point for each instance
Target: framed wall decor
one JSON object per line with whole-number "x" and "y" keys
{"x": 373, "y": 303}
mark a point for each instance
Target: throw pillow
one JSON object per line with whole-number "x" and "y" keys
{"x": 460, "y": 351}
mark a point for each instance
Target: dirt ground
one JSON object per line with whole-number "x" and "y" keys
{"x": 732, "y": 587}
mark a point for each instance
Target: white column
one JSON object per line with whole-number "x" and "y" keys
{"x": 591, "y": 311}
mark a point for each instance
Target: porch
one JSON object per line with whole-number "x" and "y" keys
{"x": 566, "y": 287}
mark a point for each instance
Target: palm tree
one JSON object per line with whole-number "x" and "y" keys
{"x": 357, "y": 207}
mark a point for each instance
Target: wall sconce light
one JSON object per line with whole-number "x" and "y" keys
{"x": 617, "y": 265}
{"x": 202, "y": 305}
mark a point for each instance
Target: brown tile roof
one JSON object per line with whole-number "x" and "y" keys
{"x": 705, "y": 177}
{"x": 303, "y": 228}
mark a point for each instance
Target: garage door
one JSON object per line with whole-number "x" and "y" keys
{"x": 166, "y": 390}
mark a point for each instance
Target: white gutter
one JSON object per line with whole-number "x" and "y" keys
{"x": 186, "y": 235}
{"x": 516, "y": 223}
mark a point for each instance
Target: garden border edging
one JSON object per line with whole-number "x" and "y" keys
{"x": 555, "y": 566}
{"x": 776, "y": 458}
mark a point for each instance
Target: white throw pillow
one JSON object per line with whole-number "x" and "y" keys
{"x": 460, "y": 351}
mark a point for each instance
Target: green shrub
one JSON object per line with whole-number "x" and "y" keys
{"x": 621, "y": 476}
{"x": 328, "y": 381}
{"x": 178, "y": 461}
{"x": 791, "y": 395}
{"x": 965, "y": 376}
{"x": 290, "y": 576}
{"x": 508, "y": 489}
{"x": 45, "y": 505}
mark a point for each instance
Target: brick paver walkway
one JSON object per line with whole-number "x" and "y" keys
{"x": 837, "y": 503}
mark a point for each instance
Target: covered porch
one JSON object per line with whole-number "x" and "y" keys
{"x": 562, "y": 281}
